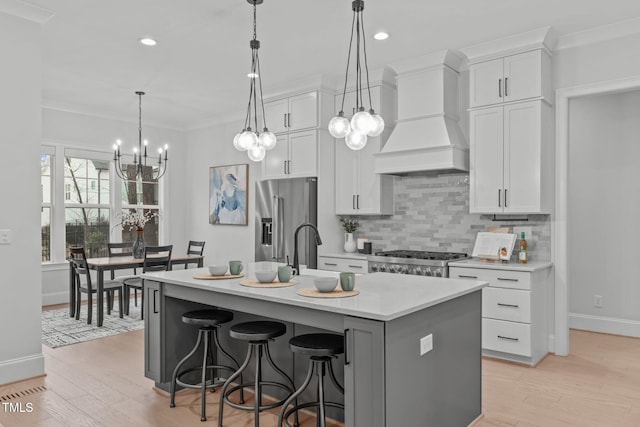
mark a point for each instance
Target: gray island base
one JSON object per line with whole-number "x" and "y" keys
{"x": 386, "y": 379}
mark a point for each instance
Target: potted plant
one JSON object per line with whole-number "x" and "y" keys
{"x": 350, "y": 225}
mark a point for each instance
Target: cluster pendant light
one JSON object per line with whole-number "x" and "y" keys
{"x": 140, "y": 157}
{"x": 253, "y": 141}
{"x": 363, "y": 123}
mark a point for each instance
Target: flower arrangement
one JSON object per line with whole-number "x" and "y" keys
{"x": 350, "y": 225}
{"x": 136, "y": 220}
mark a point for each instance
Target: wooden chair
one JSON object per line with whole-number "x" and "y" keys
{"x": 78, "y": 259}
{"x": 194, "y": 248}
{"x": 156, "y": 258}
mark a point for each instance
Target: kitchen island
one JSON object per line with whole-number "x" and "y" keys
{"x": 386, "y": 379}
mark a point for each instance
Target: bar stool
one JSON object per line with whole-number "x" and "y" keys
{"x": 320, "y": 348}
{"x": 208, "y": 321}
{"x": 258, "y": 333}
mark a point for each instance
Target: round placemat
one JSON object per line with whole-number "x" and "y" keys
{"x": 338, "y": 293}
{"x": 254, "y": 283}
{"x": 207, "y": 276}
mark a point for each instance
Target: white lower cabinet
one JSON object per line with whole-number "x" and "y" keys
{"x": 514, "y": 309}
{"x": 342, "y": 264}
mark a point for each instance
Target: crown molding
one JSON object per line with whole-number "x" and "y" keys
{"x": 434, "y": 60}
{"x": 599, "y": 34}
{"x": 26, "y": 11}
{"x": 540, "y": 38}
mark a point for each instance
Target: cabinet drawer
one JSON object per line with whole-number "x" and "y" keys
{"x": 496, "y": 278}
{"x": 507, "y": 337}
{"x": 506, "y": 304}
{"x": 342, "y": 264}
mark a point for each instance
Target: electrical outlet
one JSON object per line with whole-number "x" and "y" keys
{"x": 597, "y": 301}
{"x": 5, "y": 237}
{"x": 518, "y": 232}
{"x": 426, "y": 344}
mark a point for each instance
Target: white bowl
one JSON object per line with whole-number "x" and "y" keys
{"x": 218, "y": 270}
{"x": 325, "y": 284}
{"x": 266, "y": 276}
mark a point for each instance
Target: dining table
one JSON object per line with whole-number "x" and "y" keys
{"x": 102, "y": 264}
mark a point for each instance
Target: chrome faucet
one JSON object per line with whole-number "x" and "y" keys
{"x": 296, "y": 265}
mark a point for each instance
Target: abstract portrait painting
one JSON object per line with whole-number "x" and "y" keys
{"x": 228, "y": 196}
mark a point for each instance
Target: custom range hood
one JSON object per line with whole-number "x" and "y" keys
{"x": 427, "y": 136}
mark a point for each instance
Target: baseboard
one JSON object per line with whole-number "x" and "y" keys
{"x": 607, "y": 325}
{"x": 21, "y": 369}
{"x": 55, "y": 298}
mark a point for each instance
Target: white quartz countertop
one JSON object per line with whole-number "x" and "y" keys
{"x": 514, "y": 266}
{"x": 383, "y": 296}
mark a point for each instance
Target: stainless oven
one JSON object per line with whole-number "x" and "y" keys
{"x": 420, "y": 263}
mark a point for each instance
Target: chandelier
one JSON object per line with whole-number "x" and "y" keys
{"x": 250, "y": 140}
{"x": 135, "y": 170}
{"x": 363, "y": 123}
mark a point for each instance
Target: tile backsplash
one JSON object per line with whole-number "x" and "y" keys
{"x": 432, "y": 213}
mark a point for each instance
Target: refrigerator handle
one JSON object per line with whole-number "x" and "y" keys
{"x": 276, "y": 228}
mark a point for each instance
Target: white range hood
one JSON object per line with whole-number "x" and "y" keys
{"x": 427, "y": 136}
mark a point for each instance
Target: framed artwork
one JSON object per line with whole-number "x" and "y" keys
{"x": 228, "y": 195}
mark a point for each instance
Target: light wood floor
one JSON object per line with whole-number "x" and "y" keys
{"x": 100, "y": 383}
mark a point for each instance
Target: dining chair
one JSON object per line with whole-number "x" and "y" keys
{"x": 78, "y": 259}
{"x": 121, "y": 250}
{"x": 194, "y": 248}
{"x": 156, "y": 258}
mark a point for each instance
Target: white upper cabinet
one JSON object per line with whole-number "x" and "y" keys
{"x": 359, "y": 190}
{"x": 292, "y": 114}
{"x": 294, "y": 156}
{"x": 511, "y": 159}
{"x": 511, "y": 78}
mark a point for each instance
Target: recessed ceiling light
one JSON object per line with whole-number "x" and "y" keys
{"x": 147, "y": 41}
{"x": 381, "y": 35}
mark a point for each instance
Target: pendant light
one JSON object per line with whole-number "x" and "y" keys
{"x": 363, "y": 123}
{"x": 252, "y": 141}
{"x": 140, "y": 156}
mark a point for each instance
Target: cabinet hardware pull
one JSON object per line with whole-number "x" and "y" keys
{"x": 285, "y": 119}
{"x": 467, "y": 277}
{"x": 507, "y": 279}
{"x": 155, "y": 292}
{"x": 357, "y": 201}
{"x": 284, "y": 166}
{"x": 289, "y": 119}
{"x": 505, "y": 197}
{"x": 499, "y": 198}
{"x": 499, "y": 88}
{"x": 355, "y": 266}
{"x": 346, "y": 347}
{"x": 353, "y": 201}
{"x": 505, "y": 86}
{"x": 331, "y": 264}
{"x": 289, "y": 167}
{"x": 508, "y": 338}
{"x": 508, "y": 305}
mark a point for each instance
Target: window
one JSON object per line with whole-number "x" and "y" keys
{"x": 87, "y": 208}
{"x": 45, "y": 211}
{"x": 141, "y": 194}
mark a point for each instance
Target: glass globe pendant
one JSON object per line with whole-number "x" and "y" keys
{"x": 339, "y": 126}
{"x": 355, "y": 140}
{"x": 267, "y": 140}
{"x": 236, "y": 143}
{"x": 379, "y": 125}
{"x": 247, "y": 139}
{"x": 362, "y": 122}
{"x": 256, "y": 152}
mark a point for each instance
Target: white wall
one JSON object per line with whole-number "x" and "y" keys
{"x": 208, "y": 147}
{"x": 96, "y": 133}
{"x": 21, "y": 87}
{"x": 603, "y": 208}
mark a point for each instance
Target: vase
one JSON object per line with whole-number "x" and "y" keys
{"x": 349, "y": 243}
{"x": 138, "y": 245}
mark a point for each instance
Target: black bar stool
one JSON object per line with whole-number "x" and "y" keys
{"x": 258, "y": 334}
{"x": 320, "y": 348}
{"x": 208, "y": 321}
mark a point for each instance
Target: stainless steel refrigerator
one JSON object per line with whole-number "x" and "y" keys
{"x": 282, "y": 205}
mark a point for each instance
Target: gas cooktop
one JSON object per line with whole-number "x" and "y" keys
{"x": 431, "y": 255}
{"x": 424, "y": 263}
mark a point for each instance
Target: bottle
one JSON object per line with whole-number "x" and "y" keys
{"x": 523, "y": 253}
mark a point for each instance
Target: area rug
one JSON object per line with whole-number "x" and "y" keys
{"x": 58, "y": 329}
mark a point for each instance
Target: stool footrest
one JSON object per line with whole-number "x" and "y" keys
{"x": 301, "y": 406}
{"x": 252, "y": 385}
{"x": 182, "y": 383}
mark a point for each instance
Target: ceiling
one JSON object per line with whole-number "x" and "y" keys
{"x": 197, "y": 72}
